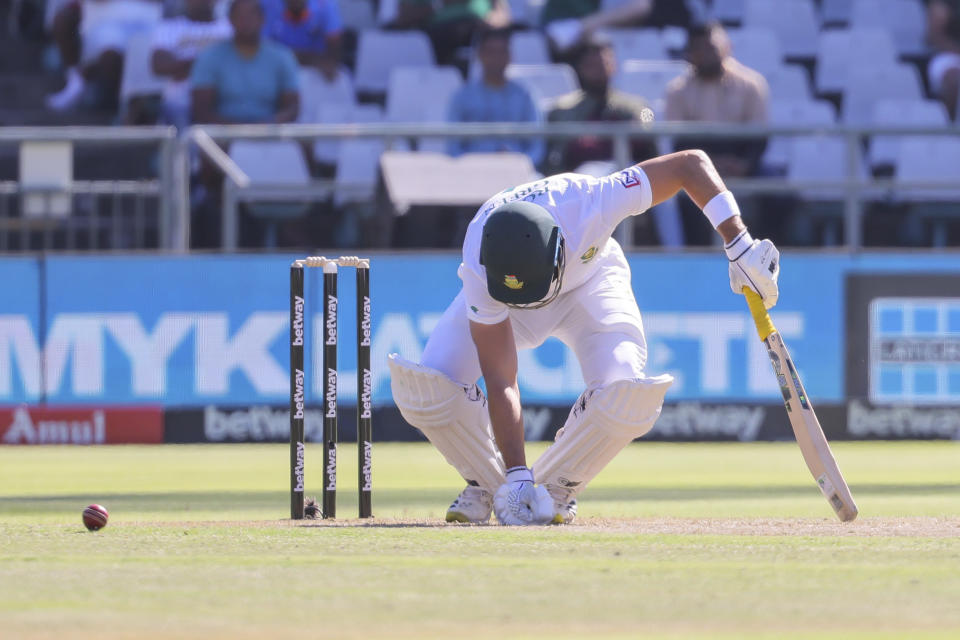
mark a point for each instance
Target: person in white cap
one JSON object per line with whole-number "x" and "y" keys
{"x": 539, "y": 261}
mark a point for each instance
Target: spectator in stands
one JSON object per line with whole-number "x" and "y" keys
{"x": 570, "y": 22}
{"x": 451, "y": 24}
{"x": 717, "y": 89}
{"x": 596, "y": 101}
{"x": 943, "y": 35}
{"x": 97, "y": 55}
{"x": 494, "y": 98}
{"x": 176, "y": 44}
{"x": 247, "y": 78}
{"x": 311, "y": 28}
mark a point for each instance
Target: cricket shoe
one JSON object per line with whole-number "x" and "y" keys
{"x": 473, "y": 505}
{"x": 564, "y": 505}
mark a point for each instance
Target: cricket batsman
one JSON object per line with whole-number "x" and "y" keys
{"x": 539, "y": 261}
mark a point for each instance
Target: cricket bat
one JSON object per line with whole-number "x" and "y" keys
{"x": 806, "y": 427}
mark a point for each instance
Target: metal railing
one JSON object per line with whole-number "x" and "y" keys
{"x": 852, "y": 189}
{"x": 100, "y": 214}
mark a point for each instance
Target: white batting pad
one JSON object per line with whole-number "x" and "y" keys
{"x": 602, "y": 422}
{"x": 452, "y": 416}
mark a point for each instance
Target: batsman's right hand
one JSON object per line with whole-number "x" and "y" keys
{"x": 519, "y": 502}
{"x": 754, "y": 264}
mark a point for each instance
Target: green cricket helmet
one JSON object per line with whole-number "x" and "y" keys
{"x": 522, "y": 251}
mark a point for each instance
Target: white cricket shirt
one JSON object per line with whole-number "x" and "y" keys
{"x": 586, "y": 209}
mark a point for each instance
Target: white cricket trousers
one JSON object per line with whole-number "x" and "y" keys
{"x": 599, "y": 321}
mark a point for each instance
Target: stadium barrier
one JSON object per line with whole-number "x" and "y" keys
{"x": 47, "y": 209}
{"x": 853, "y": 186}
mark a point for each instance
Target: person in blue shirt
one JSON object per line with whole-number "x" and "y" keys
{"x": 494, "y": 98}
{"x": 246, "y": 79}
{"x": 310, "y": 27}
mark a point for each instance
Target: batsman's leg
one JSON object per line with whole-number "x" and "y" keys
{"x": 454, "y": 419}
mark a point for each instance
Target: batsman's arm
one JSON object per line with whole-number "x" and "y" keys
{"x": 692, "y": 171}
{"x": 498, "y": 363}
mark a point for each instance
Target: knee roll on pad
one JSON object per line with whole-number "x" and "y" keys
{"x": 602, "y": 422}
{"x": 452, "y": 416}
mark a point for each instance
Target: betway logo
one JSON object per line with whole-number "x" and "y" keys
{"x": 864, "y": 421}
{"x": 365, "y": 323}
{"x": 298, "y": 395}
{"x": 694, "y": 421}
{"x": 257, "y": 424}
{"x": 332, "y": 468}
{"x": 367, "y": 467}
{"x": 23, "y": 430}
{"x": 331, "y": 320}
{"x": 297, "y": 322}
{"x": 365, "y": 395}
{"x": 331, "y": 393}
{"x": 298, "y": 468}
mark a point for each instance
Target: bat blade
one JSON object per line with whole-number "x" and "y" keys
{"x": 803, "y": 420}
{"x": 808, "y": 432}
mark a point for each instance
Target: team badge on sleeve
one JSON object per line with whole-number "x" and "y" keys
{"x": 629, "y": 178}
{"x": 512, "y": 282}
{"x": 588, "y": 255}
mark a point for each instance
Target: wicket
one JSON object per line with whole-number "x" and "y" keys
{"x": 298, "y": 387}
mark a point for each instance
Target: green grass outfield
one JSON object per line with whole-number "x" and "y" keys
{"x": 718, "y": 540}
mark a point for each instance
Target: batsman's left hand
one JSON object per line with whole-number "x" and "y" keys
{"x": 755, "y": 264}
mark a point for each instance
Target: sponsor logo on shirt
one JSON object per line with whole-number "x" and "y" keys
{"x": 629, "y": 178}
{"x": 588, "y": 255}
{"x": 512, "y": 282}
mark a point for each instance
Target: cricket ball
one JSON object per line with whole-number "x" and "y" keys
{"x": 95, "y": 517}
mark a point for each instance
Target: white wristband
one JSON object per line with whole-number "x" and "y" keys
{"x": 721, "y": 207}
{"x": 739, "y": 246}
{"x": 519, "y": 474}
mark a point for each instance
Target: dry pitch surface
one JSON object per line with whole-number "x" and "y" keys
{"x": 723, "y": 540}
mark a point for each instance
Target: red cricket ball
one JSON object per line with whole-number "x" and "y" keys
{"x": 95, "y": 517}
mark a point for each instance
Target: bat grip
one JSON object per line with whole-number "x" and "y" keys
{"x": 760, "y": 316}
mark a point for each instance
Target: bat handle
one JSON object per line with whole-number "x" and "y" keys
{"x": 760, "y": 316}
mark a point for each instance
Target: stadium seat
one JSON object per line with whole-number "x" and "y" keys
{"x": 789, "y": 82}
{"x": 315, "y": 91}
{"x": 794, "y": 22}
{"x": 727, "y": 11}
{"x": 545, "y": 82}
{"x": 405, "y": 103}
{"x": 835, "y": 12}
{"x": 357, "y": 15}
{"x": 843, "y": 51}
{"x": 900, "y": 113}
{"x": 271, "y": 164}
{"x": 926, "y": 159}
{"x": 757, "y": 47}
{"x": 904, "y": 19}
{"x": 794, "y": 113}
{"x": 866, "y": 86}
{"x": 529, "y": 47}
{"x": 138, "y": 78}
{"x": 380, "y": 51}
{"x": 358, "y": 160}
{"x": 636, "y": 44}
{"x": 327, "y": 103}
{"x": 649, "y": 79}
